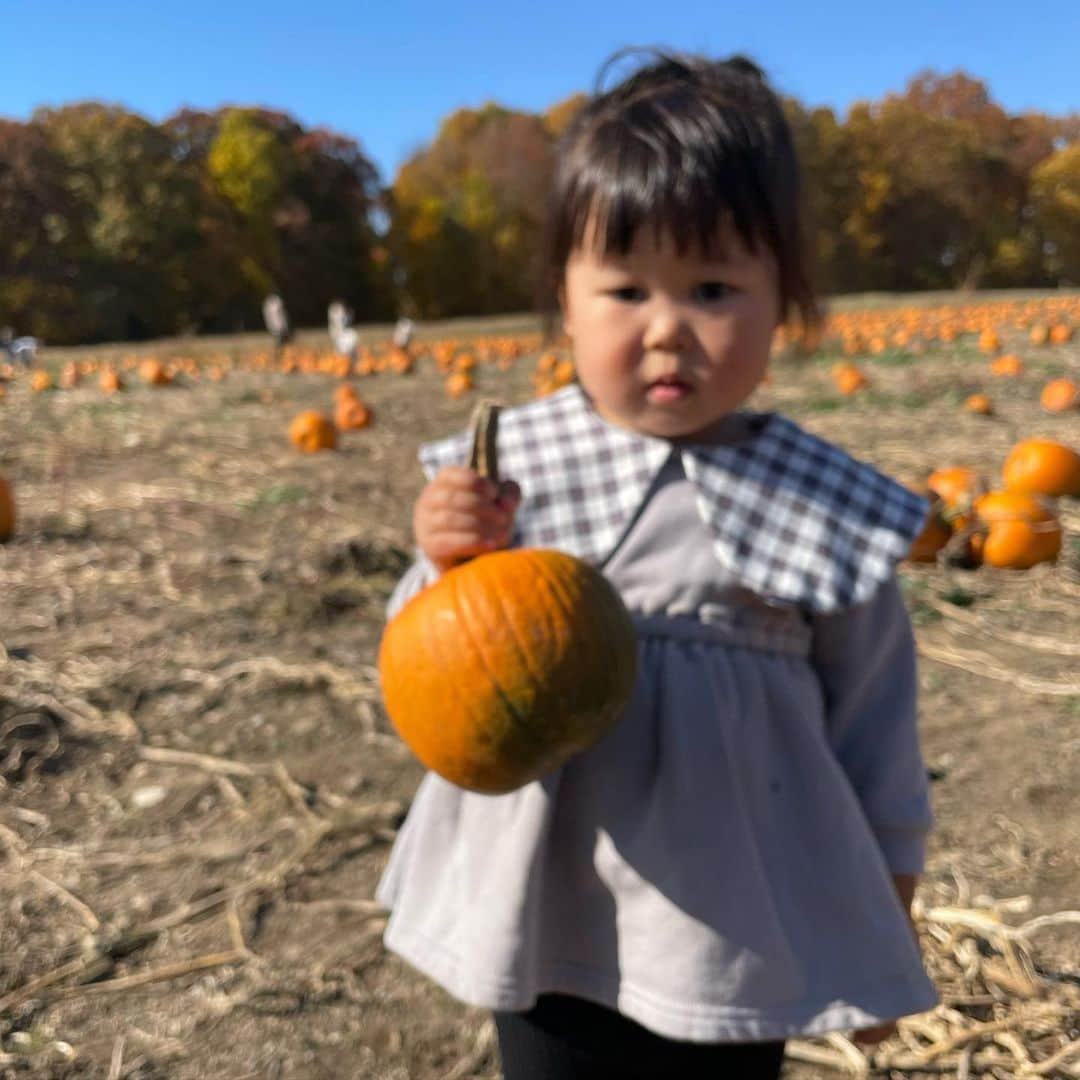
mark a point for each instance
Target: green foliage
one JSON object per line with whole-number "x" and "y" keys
{"x": 1055, "y": 191}
{"x": 248, "y": 164}
{"x": 468, "y": 214}
{"x": 118, "y": 228}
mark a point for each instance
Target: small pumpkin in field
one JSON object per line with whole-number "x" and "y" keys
{"x": 1043, "y": 467}
{"x": 979, "y": 404}
{"x": 849, "y": 379}
{"x": 40, "y": 381}
{"x": 936, "y": 530}
{"x": 1016, "y": 530}
{"x": 350, "y": 413}
{"x": 507, "y": 666}
{"x": 110, "y": 382}
{"x": 459, "y": 384}
{"x": 1008, "y": 366}
{"x": 155, "y": 372}
{"x": 1060, "y": 395}
{"x": 343, "y": 392}
{"x": 7, "y": 510}
{"x": 311, "y": 431}
{"x": 957, "y": 486}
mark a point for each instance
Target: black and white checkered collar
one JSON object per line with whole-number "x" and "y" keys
{"x": 797, "y": 520}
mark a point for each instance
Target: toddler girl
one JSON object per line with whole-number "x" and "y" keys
{"x": 733, "y": 864}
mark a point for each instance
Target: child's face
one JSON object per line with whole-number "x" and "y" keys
{"x": 668, "y": 344}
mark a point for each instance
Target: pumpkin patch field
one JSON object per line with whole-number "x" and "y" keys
{"x": 199, "y": 784}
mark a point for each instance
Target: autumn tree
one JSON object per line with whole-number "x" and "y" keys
{"x": 43, "y": 239}
{"x": 1055, "y": 191}
{"x": 468, "y": 213}
{"x": 136, "y": 205}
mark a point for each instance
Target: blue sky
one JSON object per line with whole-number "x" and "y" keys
{"x": 386, "y": 73}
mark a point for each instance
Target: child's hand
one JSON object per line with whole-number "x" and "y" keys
{"x": 460, "y": 514}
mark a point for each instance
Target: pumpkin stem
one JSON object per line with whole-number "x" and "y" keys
{"x": 485, "y": 427}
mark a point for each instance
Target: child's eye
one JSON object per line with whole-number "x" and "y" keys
{"x": 710, "y": 291}
{"x": 628, "y": 294}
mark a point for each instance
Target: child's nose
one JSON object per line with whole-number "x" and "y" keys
{"x": 667, "y": 328}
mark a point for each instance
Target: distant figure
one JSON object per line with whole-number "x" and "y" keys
{"x": 339, "y": 322}
{"x": 403, "y": 333}
{"x": 276, "y": 319}
{"x": 21, "y": 350}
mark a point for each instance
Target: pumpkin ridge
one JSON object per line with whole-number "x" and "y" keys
{"x": 595, "y": 624}
{"x": 437, "y": 640}
{"x": 462, "y": 609}
{"x": 534, "y": 674}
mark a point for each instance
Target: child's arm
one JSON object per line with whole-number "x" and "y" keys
{"x": 865, "y": 659}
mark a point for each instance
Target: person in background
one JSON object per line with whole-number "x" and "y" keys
{"x": 403, "y": 332}
{"x": 277, "y": 320}
{"x": 20, "y": 350}
{"x": 343, "y": 334}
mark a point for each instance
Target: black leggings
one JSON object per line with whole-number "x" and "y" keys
{"x": 567, "y": 1038}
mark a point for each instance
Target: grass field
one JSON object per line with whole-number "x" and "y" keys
{"x": 199, "y": 787}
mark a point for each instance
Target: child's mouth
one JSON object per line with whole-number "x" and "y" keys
{"x": 663, "y": 391}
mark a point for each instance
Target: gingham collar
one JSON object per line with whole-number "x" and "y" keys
{"x": 795, "y": 519}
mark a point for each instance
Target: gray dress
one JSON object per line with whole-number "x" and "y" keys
{"x": 718, "y": 867}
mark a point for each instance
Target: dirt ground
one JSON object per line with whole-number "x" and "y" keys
{"x": 199, "y": 788}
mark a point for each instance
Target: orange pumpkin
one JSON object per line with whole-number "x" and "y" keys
{"x": 979, "y": 404}
{"x": 1017, "y": 530}
{"x": 1009, "y": 366}
{"x": 1060, "y": 395}
{"x": 957, "y": 485}
{"x": 7, "y": 510}
{"x": 154, "y": 372}
{"x": 1042, "y": 467}
{"x": 344, "y": 392}
{"x": 989, "y": 341}
{"x": 507, "y": 666}
{"x": 351, "y": 414}
{"x": 459, "y": 384}
{"x": 936, "y": 531}
{"x": 849, "y": 379}
{"x": 41, "y": 380}
{"x": 311, "y": 431}
{"x": 110, "y": 382}
{"x": 1061, "y": 334}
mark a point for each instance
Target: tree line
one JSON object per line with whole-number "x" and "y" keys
{"x": 116, "y": 228}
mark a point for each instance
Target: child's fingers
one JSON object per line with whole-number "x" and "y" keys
{"x": 491, "y": 524}
{"x": 461, "y": 499}
{"x": 448, "y": 548}
{"x": 459, "y": 478}
{"x": 509, "y": 497}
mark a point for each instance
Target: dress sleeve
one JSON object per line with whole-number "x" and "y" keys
{"x": 865, "y": 659}
{"x": 421, "y": 574}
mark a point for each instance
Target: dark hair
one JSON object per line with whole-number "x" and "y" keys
{"x": 683, "y": 144}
